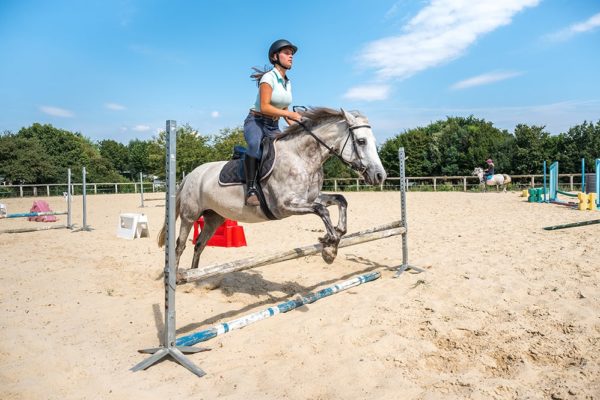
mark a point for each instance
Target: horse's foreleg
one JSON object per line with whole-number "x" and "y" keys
{"x": 342, "y": 204}
{"x": 332, "y": 238}
{"x": 212, "y": 221}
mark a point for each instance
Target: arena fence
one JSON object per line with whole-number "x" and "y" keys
{"x": 414, "y": 183}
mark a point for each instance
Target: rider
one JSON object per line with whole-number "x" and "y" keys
{"x": 489, "y": 172}
{"x": 272, "y": 102}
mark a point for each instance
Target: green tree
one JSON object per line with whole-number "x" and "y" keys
{"x": 115, "y": 153}
{"x": 532, "y": 145}
{"x": 138, "y": 157}
{"x": 450, "y": 147}
{"x": 42, "y": 154}
{"x": 192, "y": 151}
{"x": 335, "y": 168}
{"x": 467, "y": 142}
{"x": 419, "y": 143}
{"x": 580, "y": 141}
{"x": 222, "y": 144}
{"x": 25, "y": 160}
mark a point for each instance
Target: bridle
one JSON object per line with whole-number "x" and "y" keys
{"x": 357, "y": 164}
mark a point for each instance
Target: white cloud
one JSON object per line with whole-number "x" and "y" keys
{"x": 485, "y": 79}
{"x": 57, "y": 112}
{"x": 141, "y": 128}
{"x": 215, "y": 114}
{"x": 440, "y": 32}
{"x": 114, "y": 106}
{"x": 581, "y": 27}
{"x": 368, "y": 92}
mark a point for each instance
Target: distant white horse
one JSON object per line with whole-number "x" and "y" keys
{"x": 496, "y": 180}
{"x": 294, "y": 187}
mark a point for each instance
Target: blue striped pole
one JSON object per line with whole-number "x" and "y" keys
{"x": 33, "y": 214}
{"x": 246, "y": 320}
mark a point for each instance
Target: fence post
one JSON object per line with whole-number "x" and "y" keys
{"x": 84, "y": 199}
{"x": 335, "y": 185}
{"x": 571, "y": 182}
{"x": 464, "y": 183}
{"x": 116, "y": 189}
{"x": 435, "y": 184}
{"x": 48, "y": 190}
{"x": 21, "y": 190}
{"x": 357, "y": 185}
{"x": 532, "y": 184}
{"x": 142, "y": 189}
{"x": 69, "y": 192}
{"x": 95, "y": 189}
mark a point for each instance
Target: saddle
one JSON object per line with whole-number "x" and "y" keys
{"x": 233, "y": 172}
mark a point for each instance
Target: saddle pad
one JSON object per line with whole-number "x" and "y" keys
{"x": 232, "y": 172}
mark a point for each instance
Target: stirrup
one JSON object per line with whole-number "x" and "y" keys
{"x": 252, "y": 199}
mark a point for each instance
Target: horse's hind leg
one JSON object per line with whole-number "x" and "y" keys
{"x": 184, "y": 231}
{"x": 212, "y": 221}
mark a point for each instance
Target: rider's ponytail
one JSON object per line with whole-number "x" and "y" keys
{"x": 258, "y": 73}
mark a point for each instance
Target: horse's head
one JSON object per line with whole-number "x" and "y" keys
{"x": 346, "y": 135}
{"x": 361, "y": 152}
{"x": 478, "y": 171}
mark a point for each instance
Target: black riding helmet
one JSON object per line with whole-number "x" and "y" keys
{"x": 277, "y": 46}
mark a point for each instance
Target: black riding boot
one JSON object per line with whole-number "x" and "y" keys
{"x": 250, "y": 167}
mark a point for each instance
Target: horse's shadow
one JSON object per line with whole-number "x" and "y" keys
{"x": 254, "y": 284}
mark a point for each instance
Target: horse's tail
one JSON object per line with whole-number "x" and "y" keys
{"x": 163, "y": 230}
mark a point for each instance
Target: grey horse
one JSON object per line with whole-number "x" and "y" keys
{"x": 294, "y": 186}
{"x": 496, "y": 180}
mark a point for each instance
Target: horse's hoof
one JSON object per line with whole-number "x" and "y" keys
{"x": 329, "y": 254}
{"x": 340, "y": 232}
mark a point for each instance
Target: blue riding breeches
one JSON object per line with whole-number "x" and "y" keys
{"x": 255, "y": 127}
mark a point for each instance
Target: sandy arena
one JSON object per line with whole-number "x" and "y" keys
{"x": 505, "y": 310}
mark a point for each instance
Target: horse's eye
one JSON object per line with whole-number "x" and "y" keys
{"x": 361, "y": 142}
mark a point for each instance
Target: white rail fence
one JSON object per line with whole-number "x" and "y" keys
{"x": 414, "y": 183}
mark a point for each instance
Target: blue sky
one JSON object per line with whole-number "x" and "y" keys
{"x": 119, "y": 69}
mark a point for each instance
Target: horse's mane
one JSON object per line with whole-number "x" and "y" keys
{"x": 314, "y": 116}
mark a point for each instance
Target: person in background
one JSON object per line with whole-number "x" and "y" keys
{"x": 272, "y": 102}
{"x": 489, "y": 172}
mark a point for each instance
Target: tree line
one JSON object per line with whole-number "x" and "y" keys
{"x": 454, "y": 146}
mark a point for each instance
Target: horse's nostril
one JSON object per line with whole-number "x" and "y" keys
{"x": 379, "y": 176}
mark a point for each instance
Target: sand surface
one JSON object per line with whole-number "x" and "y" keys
{"x": 505, "y": 310}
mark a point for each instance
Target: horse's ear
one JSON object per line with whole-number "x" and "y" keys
{"x": 349, "y": 117}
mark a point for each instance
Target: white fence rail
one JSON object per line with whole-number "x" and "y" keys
{"x": 414, "y": 183}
